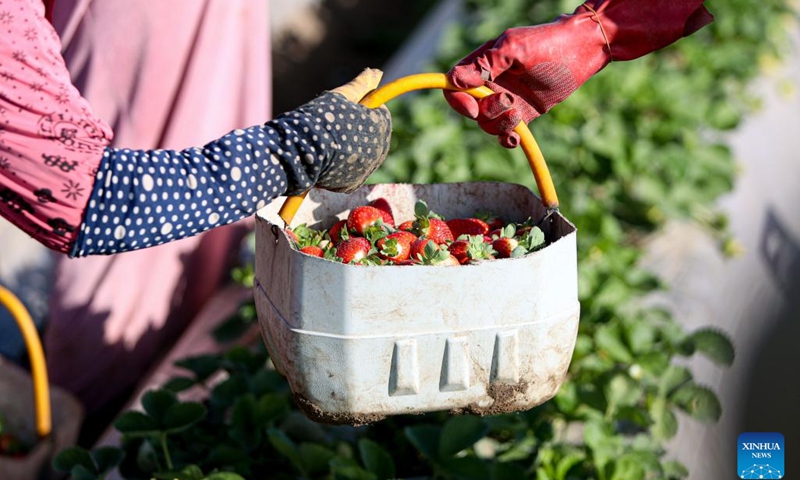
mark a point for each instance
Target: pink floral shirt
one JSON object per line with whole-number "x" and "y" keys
{"x": 50, "y": 142}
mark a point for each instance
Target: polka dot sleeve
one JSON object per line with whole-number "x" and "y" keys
{"x": 143, "y": 198}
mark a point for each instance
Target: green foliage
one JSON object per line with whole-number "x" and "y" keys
{"x": 639, "y": 144}
{"x": 84, "y": 465}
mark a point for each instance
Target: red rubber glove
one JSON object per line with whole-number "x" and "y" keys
{"x": 532, "y": 69}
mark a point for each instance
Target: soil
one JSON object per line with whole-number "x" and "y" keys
{"x": 329, "y": 44}
{"x": 313, "y": 412}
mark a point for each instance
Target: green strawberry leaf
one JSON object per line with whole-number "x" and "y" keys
{"x": 376, "y": 459}
{"x": 203, "y": 366}
{"x": 223, "y": 476}
{"x": 181, "y": 416}
{"x": 421, "y": 209}
{"x": 80, "y": 472}
{"x": 714, "y": 344}
{"x": 179, "y": 384}
{"x": 136, "y": 424}
{"x": 672, "y": 379}
{"x": 157, "y": 402}
{"x": 315, "y": 457}
{"x": 461, "y": 432}
{"x": 107, "y": 458}
{"x": 71, "y": 457}
{"x": 287, "y": 448}
{"x": 426, "y": 439}
{"x": 698, "y": 401}
{"x": 665, "y": 423}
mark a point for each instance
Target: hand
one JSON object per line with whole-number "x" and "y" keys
{"x": 363, "y": 135}
{"x": 531, "y": 69}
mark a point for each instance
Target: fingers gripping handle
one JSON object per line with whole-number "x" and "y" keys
{"x": 439, "y": 80}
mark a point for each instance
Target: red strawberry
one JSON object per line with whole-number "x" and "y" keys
{"x": 492, "y": 220}
{"x": 338, "y": 231}
{"x": 472, "y": 249}
{"x": 433, "y": 254}
{"x": 467, "y": 226}
{"x": 361, "y": 218}
{"x": 406, "y": 235}
{"x": 313, "y": 250}
{"x": 407, "y": 226}
{"x": 522, "y": 230}
{"x": 450, "y": 261}
{"x": 459, "y": 250}
{"x": 291, "y": 234}
{"x": 429, "y": 224}
{"x": 418, "y": 247}
{"x": 438, "y": 231}
{"x": 386, "y": 210}
{"x": 505, "y": 243}
{"x": 505, "y": 246}
{"x": 396, "y": 247}
{"x": 405, "y": 262}
{"x": 353, "y": 249}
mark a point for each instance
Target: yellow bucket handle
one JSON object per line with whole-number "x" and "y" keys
{"x": 41, "y": 389}
{"x": 439, "y": 80}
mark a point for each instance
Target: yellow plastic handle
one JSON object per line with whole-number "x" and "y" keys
{"x": 439, "y": 80}
{"x": 41, "y": 389}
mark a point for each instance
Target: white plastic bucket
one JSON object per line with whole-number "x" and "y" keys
{"x": 358, "y": 343}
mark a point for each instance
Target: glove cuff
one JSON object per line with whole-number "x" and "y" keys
{"x": 633, "y": 28}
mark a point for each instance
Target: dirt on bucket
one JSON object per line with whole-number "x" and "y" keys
{"x": 313, "y": 412}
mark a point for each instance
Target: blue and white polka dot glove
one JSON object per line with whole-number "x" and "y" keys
{"x": 143, "y": 198}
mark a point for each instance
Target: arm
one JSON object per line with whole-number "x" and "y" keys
{"x": 534, "y": 68}
{"x": 61, "y": 183}
{"x": 144, "y": 198}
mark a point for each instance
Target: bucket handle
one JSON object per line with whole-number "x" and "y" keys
{"x": 422, "y": 81}
{"x": 41, "y": 389}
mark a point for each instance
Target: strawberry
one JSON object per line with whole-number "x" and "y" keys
{"x": 438, "y": 231}
{"x": 434, "y": 254}
{"x": 405, "y": 262}
{"x": 418, "y": 247}
{"x": 429, "y": 224}
{"x": 493, "y": 221}
{"x": 291, "y": 235}
{"x": 459, "y": 249}
{"x": 353, "y": 249}
{"x": 479, "y": 249}
{"x": 467, "y": 226}
{"x": 472, "y": 248}
{"x": 396, "y": 247}
{"x": 386, "y": 210}
{"x": 338, "y": 232}
{"x": 505, "y": 246}
{"x": 450, "y": 261}
{"x": 505, "y": 243}
{"x": 313, "y": 250}
{"x": 407, "y": 226}
{"x": 405, "y": 235}
{"x": 361, "y": 218}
